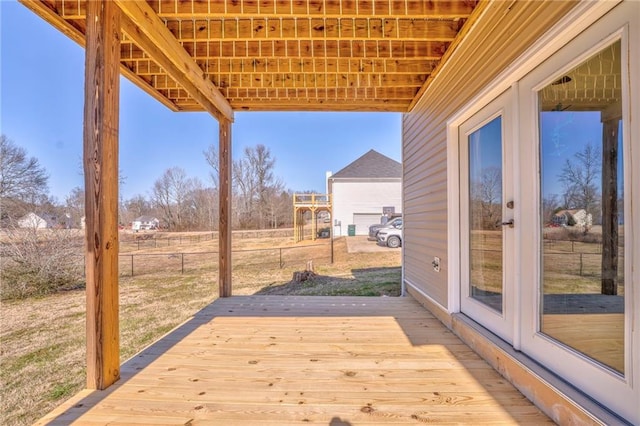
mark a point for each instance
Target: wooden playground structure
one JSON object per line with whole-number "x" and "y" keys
{"x": 314, "y": 203}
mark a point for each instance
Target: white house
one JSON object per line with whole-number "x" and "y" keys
{"x": 363, "y": 190}
{"x": 579, "y": 217}
{"x": 32, "y": 220}
{"x": 143, "y": 223}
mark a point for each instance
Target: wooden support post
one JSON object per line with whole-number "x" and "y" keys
{"x": 100, "y": 161}
{"x": 609, "y": 283}
{"x": 314, "y": 223}
{"x": 224, "y": 234}
{"x": 295, "y": 224}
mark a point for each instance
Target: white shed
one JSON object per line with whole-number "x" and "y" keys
{"x": 363, "y": 190}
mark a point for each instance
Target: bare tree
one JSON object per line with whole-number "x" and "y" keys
{"x": 261, "y": 164}
{"x": 211, "y": 155}
{"x": 487, "y": 194}
{"x": 203, "y": 211}
{"x": 75, "y": 206}
{"x": 170, "y": 194}
{"x": 280, "y": 207}
{"x": 550, "y": 205}
{"x": 134, "y": 207}
{"x": 258, "y": 200}
{"x": 244, "y": 192}
{"x": 580, "y": 178}
{"x": 23, "y": 181}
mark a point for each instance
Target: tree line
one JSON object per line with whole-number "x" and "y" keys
{"x": 181, "y": 203}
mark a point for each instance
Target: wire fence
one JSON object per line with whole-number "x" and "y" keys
{"x": 144, "y": 240}
{"x": 565, "y": 257}
{"x": 136, "y": 264}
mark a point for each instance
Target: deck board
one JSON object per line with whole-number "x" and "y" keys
{"x": 305, "y": 360}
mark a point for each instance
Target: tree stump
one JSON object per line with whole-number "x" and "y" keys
{"x": 307, "y": 274}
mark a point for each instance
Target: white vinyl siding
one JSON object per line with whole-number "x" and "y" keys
{"x": 363, "y": 197}
{"x": 470, "y": 68}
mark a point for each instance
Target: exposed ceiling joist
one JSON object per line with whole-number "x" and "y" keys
{"x": 222, "y": 56}
{"x": 143, "y": 26}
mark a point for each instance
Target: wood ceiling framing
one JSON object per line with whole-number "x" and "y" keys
{"x": 276, "y": 55}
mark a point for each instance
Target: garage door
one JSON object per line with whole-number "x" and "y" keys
{"x": 364, "y": 220}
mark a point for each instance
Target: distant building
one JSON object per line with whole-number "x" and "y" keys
{"x": 145, "y": 223}
{"x": 576, "y": 217}
{"x": 44, "y": 221}
{"x": 363, "y": 191}
{"x": 32, "y": 220}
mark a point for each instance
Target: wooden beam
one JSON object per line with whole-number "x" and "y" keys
{"x": 346, "y": 105}
{"x": 224, "y": 231}
{"x": 248, "y": 29}
{"x": 144, "y": 27}
{"x": 100, "y": 159}
{"x": 190, "y": 9}
{"x": 217, "y": 65}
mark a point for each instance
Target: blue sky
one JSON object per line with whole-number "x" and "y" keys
{"x": 41, "y": 91}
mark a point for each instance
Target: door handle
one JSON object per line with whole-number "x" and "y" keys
{"x": 508, "y": 223}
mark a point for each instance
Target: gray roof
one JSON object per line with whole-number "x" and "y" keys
{"x": 371, "y": 165}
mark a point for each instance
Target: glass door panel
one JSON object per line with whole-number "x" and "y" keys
{"x": 582, "y": 220}
{"x": 486, "y": 208}
{"x": 485, "y": 214}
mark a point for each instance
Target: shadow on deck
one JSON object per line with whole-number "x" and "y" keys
{"x": 300, "y": 360}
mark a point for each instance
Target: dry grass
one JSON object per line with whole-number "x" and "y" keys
{"x": 570, "y": 267}
{"x": 42, "y": 339}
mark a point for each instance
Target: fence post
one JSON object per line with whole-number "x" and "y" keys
{"x": 572, "y": 247}
{"x": 182, "y": 255}
{"x": 281, "y": 265}
{"x": 580, "y": 264}
{"x": 132, "y": 265}
{"x": 332, "y": 249}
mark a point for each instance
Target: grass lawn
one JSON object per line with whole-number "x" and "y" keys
{"x": 42, "y": 340}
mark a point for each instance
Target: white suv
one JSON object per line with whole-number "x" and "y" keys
{"x": 391, "y": 237}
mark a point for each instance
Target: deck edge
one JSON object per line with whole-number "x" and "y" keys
{"x": 563, "y": 403}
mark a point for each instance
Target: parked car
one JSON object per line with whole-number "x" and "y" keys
{"x": 391, "y": 237}
{"x": 374, "y": 229}
{"x": 324, "y": 232}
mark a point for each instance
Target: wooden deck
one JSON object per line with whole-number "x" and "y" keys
{"x": 272, "y": 360}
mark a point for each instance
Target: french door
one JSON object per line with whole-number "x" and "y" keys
{"x": 577, "y": 159}
{"x": 554, "y": 272}
{"x": 487, "y": 217}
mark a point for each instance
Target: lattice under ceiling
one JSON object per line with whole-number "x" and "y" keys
{"x": 349, "y": 55}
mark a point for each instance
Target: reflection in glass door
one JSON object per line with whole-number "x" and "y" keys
{"x": 485, "y": 214}
{"x": 486, "y": 207}
{"x": 582, "y": 220}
